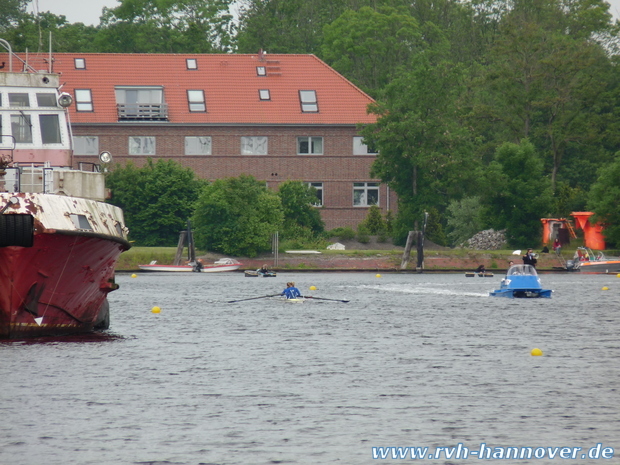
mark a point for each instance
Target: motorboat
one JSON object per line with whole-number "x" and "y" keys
{"x": 260, "y": 274}
{"x": 587, "y": 261}
{"x": 223, "y": 264}
{"x": 521, "y": 281}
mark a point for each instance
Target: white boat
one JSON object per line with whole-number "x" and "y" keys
{"x": 586, "y": 261}
{"x": 223, "y": 264}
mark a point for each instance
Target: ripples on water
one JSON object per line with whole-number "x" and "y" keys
{"x": 411, "y": 360}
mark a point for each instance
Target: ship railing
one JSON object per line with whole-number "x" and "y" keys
{"x": 37, "y": 178}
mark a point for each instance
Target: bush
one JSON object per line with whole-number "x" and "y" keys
{"x": 363, "y": 235}
{"x": 344, "y": 234}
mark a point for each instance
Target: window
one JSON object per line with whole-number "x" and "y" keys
{"x": 50, "y": 129}
{"x": 196, "y": 99}
{"x": 197, "y": 145}
{"x": 46, "y": 100}
{"x": 19, "y": 100}
{"x": 83, "y": 100}
{"x": 261, "y": 71}
{"x": 310, "y": 145}
{"x": 191, "y": 63}
{"x": 318, "y": 186}
{"x": 359, "y": 148}
{"x": 256, "y": 145}
{"x": 80, "y": 222}
{"x": 21, "y": 128}
{"x": 263, "y": 94}
{"x": 80, "y": 63}
{"x": 141, "y": 103}
{"x": 308, "y": 101}
{"x": 365, "y": 194}
{"x": 86, "y": 145}
{"x": 142, "y": 145}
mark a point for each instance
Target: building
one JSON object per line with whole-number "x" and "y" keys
{"x": 275, "y": 117}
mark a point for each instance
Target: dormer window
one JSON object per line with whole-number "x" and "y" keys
{"x": 141, "y": 103}
{"x": 191, "y": 63}
{"x": 80, "y": 63}
{"x": 308, "y": 101}
{"x": 196, "y": 100}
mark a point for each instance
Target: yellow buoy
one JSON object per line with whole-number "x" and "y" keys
{"x": 313, "y": 288}
{"x": 618, "y": 275}
{"x": 134, "y": 275}
{"x": 605, "y": 288}
{"x": 156, "y": 310}
{"x": 377, "y": 275}
{"x": 537, "y": 352}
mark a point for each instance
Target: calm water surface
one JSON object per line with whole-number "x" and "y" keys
{"x": 412, "y": 360}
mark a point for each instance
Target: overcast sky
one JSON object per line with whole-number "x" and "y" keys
{"x": 89, "y": 11}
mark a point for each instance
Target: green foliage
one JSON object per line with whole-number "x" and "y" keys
{"x": 374, "y": 221}
{"x": 11, "y": 11}
{"x": 157, "y": 199}
{"x": 517, "y": 194}
{"x": 237, "y": 216}
{"x": 301, "y": 218}
{"x": 464, "y": 219}
{"x": 363, "y": 234}
{"x": 434, "y": 229}
{"x": 604, "y": 201}
{"x": 344, "y": 234}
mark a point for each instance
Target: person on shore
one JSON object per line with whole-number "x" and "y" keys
{"x": 291, "y": 292}
{"x": 557, "y": 247}
{"x": 529, "y": 258}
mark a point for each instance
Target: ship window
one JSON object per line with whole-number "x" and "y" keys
{"x": 86, "y": 145}
{"x": 197, "y": 145}
{"x": 196, "y": 100}
{"x": 80, "y": 63}
{"x": 81, "y": 222}
{"x": 21, "y": 128}
{"x": 83, "y": 100}
{"x": 191, "y": 63}
{"x": 19, "y": 100}
{"x": 365, "y": 194}
{"x": 264, "y": 94}
{"x": 50, "y": 129}
{"x": 142, "y": 145}
{"x": 308, "y": 101}
{"x": 254, "y": 145}
{"x": 46, "y": 100}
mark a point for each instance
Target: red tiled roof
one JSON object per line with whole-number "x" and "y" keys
{"x": 230, "y": 83}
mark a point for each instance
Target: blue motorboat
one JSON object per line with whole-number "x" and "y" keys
{"x": 521, "y": 281}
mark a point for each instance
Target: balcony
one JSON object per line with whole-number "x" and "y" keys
{"x": 142, "y": 111}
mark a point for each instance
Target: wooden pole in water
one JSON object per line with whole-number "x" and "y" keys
{"x": 407, "y": 252}
{"x": 180, "y": 246}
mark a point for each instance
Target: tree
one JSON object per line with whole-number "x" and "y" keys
{"x": 517, "y": 194}
{"x": 370, "y": 46}
{"x": 157, "y": 199}
{"x": 10, "y": 12}
{"x": 301, "y": 218}
{"x": 237, "y": 216}
{"x": 464, "y": 219}
{"x": 604, "y": 199}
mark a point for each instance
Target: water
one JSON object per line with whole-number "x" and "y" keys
{"x": 411, "y": 360}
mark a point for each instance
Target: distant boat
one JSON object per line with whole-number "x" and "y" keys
{"x": 586, "y": 261}
{"x": 260, "y": 274}
{"x": 224, "y": 264}
{"x": 521, "y": 281}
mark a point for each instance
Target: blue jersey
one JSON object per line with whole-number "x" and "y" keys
{"x": 291, "y": 292}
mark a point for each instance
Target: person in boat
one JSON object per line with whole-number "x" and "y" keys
{"x": 291, "y": 292}
{"x": 481, "y": 269}
{"x": 263, "y": 269}
{"x": 529, "y": 258}
{"x": 198, "y": 266}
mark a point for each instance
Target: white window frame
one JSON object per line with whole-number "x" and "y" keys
{"x": 359, "y": 148}
{"x": 319, "y": 190}
{"x": 196, "y": 101}
{"x": 254, "y": 145}
{"x": 264, "y": 94}
{"x": 361, "y": 193}
{"x": 191, "y": 63}
{"x": 142, "y": 145}
{"x": 198, "y": 145}
{"x": 86, "y": 145}
{"x": 309, "y": 102}
{"x": 261, "y": 71}
{"x": 312, "y": 142}
{"x": 19, "y": 99}
{"x": 79, "y": 63}
{"x": 83, "y": 100}
{"x": 21, "y": 128}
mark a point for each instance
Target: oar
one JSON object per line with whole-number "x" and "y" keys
{"x": 252, "y": 298}
{"x": 323, "y": 298}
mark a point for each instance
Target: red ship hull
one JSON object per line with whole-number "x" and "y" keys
{"x": 58, "y": 286}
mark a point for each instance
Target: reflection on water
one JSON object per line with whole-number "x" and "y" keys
{"x": 412, "y": 360}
